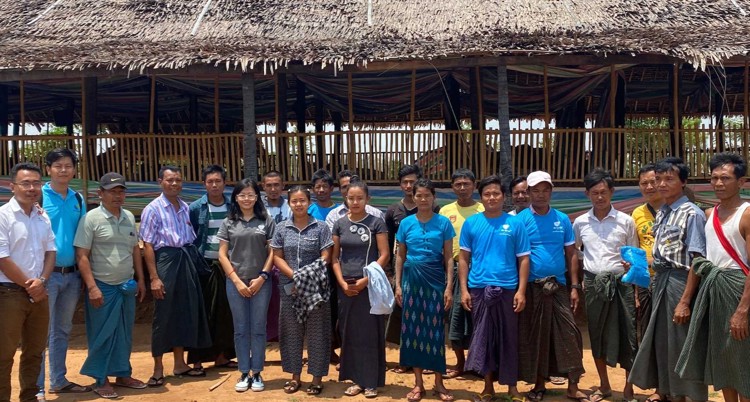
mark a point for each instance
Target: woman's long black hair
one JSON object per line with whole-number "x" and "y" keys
{"x": 259, "y": 210}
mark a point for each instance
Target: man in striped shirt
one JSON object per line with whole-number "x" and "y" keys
{"x": 206, "y": 215}
{"x": 174, "y": 266}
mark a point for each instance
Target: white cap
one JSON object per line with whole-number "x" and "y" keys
{"x": 538, "y": 177}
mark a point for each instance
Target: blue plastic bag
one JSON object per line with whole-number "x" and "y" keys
{"x": 638, "y": 272}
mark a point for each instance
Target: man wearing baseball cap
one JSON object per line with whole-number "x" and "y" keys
{"x": 550, "y": 343}
{"x": 109, "y": 258}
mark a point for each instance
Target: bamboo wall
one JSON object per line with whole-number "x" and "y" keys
{"x": 568, "y": 154}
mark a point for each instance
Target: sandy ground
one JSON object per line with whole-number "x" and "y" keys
{"x": 185, "y": 389}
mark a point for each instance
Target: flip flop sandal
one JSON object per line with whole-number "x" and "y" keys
{"x": 451, "y": 373}
{"x": 106, "y": 393}
{"x": 229, "y": 364}
{"x": 353, "y": 390}
{"x": 291, "y": 387}
{"x": 371, "y": 392}
{"x": 483, "y": 397}
{"x": 193, "y": 372}
{"x": 558, "y": 380}
{"x": 71, "y": 388}
{"x": 536, "y": 395}
{"x": 415, "y": 395}
{"x": 314, "y": 389}
{"x": 601, "y": 395}
{"x": 444, "y": 396}
{"x": 155, "y": 382}
{"x": 401, "y": 370}
{"x": 133, "y": 384}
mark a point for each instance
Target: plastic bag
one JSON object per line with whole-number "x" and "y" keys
{"x": 638, "y": 273}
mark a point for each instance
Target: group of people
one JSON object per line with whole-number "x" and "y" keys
{"x": 228, "y": 273}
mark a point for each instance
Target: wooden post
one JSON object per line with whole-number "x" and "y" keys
{"x": 84, "y": 160}
{"x": 217, "y": 127}
{"x": 4, "y": 111}
{"x": 746, "y": 135}
{"x": 547, "y": 136}
{"x": 300, "y": 105}
{"x": 677, "y": 144}
{"x": 351, "y": 151}
{"x": 320, "y": 146}
{"x": 249, "y": 128}
{"x": 282, "y": 142}
{"x": 479, "y": 140}
{"x": 503, "y": 116}
{"x": 152, "y": 105}
{"x": 22, "y": 93}
{"x": 612, "y": 95}
{"x": 412, "y": 112}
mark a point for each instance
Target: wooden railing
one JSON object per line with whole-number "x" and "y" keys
{"x": 376, "y": 155}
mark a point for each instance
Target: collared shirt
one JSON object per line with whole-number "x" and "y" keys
{"x": 64, "y": 215}
{"x": 111, "y": 242}
{"x": 679, "y": 231}
{"x": 301, "y": 247}
{"x": 25, "y": 238}
{"x": 549, "y": 234}
{"x": 602, "y": 240}
{"x": 338, "y": 212}
{"x": 162, "y": 226}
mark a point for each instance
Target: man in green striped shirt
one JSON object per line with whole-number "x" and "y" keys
{"x": 206, "y": 215}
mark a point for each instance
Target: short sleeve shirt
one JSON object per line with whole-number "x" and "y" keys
{"x": 494, "y": 244}
{"x": 111, "y": 242}
{"x": 548, "y": 234}
{"x": 320, "y": 213}
{"x": 301, "y": 247}
{"x": 679, "y": 230}
{"x": 458, "y": 215}
{"x": 64, "y": 215}
{"x": 424, "y": 241}
{"x": 248, "y": 244}
{"x": 603, "y": 239}
{"x": 644, "y": 224}
{"x": 24, "y": 238}
{"x": 359, "y": 245}
{"x": 162, "y": 226}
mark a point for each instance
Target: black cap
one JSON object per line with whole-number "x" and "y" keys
{"x": 112, "y": 180}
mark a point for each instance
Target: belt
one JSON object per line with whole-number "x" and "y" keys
{"x": 11, "y": 285}
{"x": 66, "y": 270}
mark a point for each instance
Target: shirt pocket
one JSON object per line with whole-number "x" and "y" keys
{"x": 670, "y": 237}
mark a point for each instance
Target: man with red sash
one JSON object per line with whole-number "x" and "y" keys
{"x": 717, "y": 348}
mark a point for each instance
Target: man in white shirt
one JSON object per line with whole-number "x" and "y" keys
{"x": 27, "y": 257}
{"x": 610, "y": 303}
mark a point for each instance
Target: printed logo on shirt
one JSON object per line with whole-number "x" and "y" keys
{"x": 557, "y": 227}
{"x": 452, "y": 218}
{"x": 505, "y": 230}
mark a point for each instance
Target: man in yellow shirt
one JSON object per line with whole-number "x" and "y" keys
{"x": 463, "y": 183}
{"x": 644, "y": 217}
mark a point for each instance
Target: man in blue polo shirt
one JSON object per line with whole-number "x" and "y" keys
{"x": 550, "y": 342}
{"x": 65, "y": 208}
{"x": 493, "y": 269}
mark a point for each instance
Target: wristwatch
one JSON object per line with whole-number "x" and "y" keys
{"x": 264, "y": 275}
{"x": 44, "y": 281}
{"x": 576, "y": 286}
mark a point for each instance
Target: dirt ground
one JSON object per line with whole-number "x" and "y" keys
{"x": 398, "y": 385}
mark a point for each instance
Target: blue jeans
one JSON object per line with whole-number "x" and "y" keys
{"x": 249, "y": 317}
{"x": 63, "y": 292}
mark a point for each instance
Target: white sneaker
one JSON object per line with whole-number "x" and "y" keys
{"x": 243, "y": 384}
{"x": 257, "y": 383}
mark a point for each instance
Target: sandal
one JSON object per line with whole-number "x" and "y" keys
{"x": 415, "y": 395}
{"x": 106, "y": 393}
{"x": 483, "y": 397}
{"x": 598, "y": 395}
{"x": 130, "y": 383}
{"x": 444, "y": 395}
{"x": 353, "y": 390}
{"x": 292, "y": 386}
{"x": 228, "y": 364}
{"x": 193, "y": 372}
{"x": 71, "y": 388}
{"x": 155, "y": 382}
{"x": 314, "y": 389}
{"x": 536, "y": 395}
{"x": 371, "y": 392}
{"x": 401, "y": 370}
{"x": 452, "y": 373}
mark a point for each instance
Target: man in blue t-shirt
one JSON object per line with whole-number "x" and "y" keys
{"x": 65, "y": 208}
{"x": 550, "y": 342}
{"x": 493, "y": 269}
{"x": 322, "y": 185}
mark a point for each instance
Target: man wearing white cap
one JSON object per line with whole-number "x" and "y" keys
{"x": 550, "y": 343}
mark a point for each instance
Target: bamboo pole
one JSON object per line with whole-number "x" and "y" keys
{"x": 547, "y": 136}
{"x": 747, "y": 110}
{"x": 22, "y": 95}
{"x": 350, "y": 95}
{"x": 84, "y": 144}
{"x": 612, "y": 112}
{"x": 676, "y": 108}
{"x": 413, "y": 107}
{"x": 480, "y": 146}
{"x": 152, "y": 106}
{"x": 216, "y": 105}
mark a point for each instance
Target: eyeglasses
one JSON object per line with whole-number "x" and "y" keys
{"x": 26, "y": 185}
{"x": 246, "y": 196}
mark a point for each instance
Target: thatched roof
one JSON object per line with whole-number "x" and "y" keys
{"x": 236, "y": 34}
